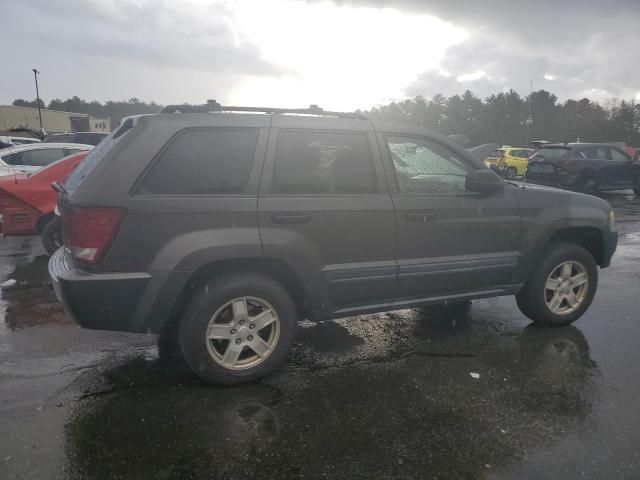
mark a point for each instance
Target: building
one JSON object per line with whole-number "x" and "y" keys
{"x": 52, "y": 120}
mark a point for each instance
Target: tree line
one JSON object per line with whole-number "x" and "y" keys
{"x": 113, "y": 110}
{"x": 508, "y": 118}
{"x": 505, "y": 118}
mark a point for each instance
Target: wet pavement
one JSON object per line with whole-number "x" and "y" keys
{"x": 378, "y": 396}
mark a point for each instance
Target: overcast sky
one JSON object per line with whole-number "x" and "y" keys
{"x": 344, "y": 54}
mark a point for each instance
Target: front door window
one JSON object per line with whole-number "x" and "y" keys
{"x": 426, "y": 167}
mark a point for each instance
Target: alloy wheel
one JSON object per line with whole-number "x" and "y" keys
{"x": 243, "y": 333}
{"x": 566, "y": 288}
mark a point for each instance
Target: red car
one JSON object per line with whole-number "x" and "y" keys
{"x": 27, "y": 202}
{"x": 633, "y": 152}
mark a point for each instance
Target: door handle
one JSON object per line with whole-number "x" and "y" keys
{"x": 290, "y": 218}
{"x": 420, "y": 216}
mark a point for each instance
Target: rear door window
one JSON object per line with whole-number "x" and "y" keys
{"x": 311, "y": 162}
{"x": 203, "y": 162}
{"x": 42, "y": 157}
{"x": 596, "y": 153}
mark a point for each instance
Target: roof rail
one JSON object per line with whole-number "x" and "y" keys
{"x": 213, "y": 106}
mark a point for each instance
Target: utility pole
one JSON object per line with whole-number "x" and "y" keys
{"x": 35, "y": 76}
{"x": 530, "y": 117}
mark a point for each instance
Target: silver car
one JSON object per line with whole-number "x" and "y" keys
{"x": 30, "y": 158}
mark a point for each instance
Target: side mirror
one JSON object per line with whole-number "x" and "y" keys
{"x": 486, "y": 182}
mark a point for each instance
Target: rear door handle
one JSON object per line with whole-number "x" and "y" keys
{"x": 420, "y": 216}
{"x": 290, "y": 218}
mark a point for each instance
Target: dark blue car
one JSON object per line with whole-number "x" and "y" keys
{"x": 586, "y": 167}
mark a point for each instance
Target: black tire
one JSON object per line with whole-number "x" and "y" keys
{"x": 588, "y": 185}
{"x": 531, "y": 299}
{"x": 636, "y": 188}
{"x": 52, "y": 235}
{"x": 213, "y": 295}
{"x": 512, "y": 172}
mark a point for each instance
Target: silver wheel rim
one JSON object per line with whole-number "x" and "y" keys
{"x": 566, "y": 288}
{"x": 243, "y": 333}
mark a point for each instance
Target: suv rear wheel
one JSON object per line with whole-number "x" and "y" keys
{"x": 237, "y": 328}
{"x": 561, "y": 288}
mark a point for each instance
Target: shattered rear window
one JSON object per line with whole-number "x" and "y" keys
{"x": 97, "y": 153}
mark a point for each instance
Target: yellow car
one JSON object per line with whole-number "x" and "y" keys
{"x": 511, "y": 161}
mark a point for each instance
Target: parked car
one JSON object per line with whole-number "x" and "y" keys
{"x": 87, "y": 138}
{"x": 31, "y": 158}
{"x": 226, "y": 228}
{"x": 510, "y": 162}
{"x": 11, "y": 141}
{"x": 632, "y": 152}
{"x": 586, "y": 167}
{"x": 27, "y": 202}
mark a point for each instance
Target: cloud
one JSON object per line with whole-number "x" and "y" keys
{"x": 283, "y": 52}
{"x": 170, "y": 52}
{"x": 573, "y": 47}
{"x": 187, "y": 34}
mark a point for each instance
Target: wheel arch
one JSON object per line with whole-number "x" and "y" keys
{"x": 589, "y": 238}
{"x": 276, "y": 269}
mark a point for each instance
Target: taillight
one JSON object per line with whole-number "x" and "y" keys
{"x": 88, "y": 232}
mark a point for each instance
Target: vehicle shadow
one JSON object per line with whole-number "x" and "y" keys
{"x": 404, "y": 414}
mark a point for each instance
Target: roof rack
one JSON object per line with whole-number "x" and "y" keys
{"x": 213, "y": 106}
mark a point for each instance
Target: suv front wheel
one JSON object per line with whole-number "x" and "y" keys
{"x": 561, "y": 288}
{"x": 237, "y": 328}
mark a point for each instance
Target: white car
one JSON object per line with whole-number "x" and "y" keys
{"x": 31, "y": 158}
{"x": 7, "y": 140}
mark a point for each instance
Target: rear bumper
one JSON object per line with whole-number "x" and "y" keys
{"x": 109, "y": 301}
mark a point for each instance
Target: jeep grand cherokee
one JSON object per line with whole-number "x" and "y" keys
{"x": 227, "y": 225}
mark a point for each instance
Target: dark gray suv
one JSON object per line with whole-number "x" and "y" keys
{"x": 226, "y": 225}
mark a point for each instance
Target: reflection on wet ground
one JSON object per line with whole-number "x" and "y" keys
{"x": 376, "y": 396}
{"x": 408, "y": 413}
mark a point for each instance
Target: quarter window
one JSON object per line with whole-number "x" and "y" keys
{"x": 13, "y": 159}
{"x": 618, "y": 156}
{"x": 426, "y": 167}
{"x": 200, "y": 162}
{"x": 322, "y": 163}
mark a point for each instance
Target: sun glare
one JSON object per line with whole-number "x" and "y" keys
{"x": 337, "y": 56}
